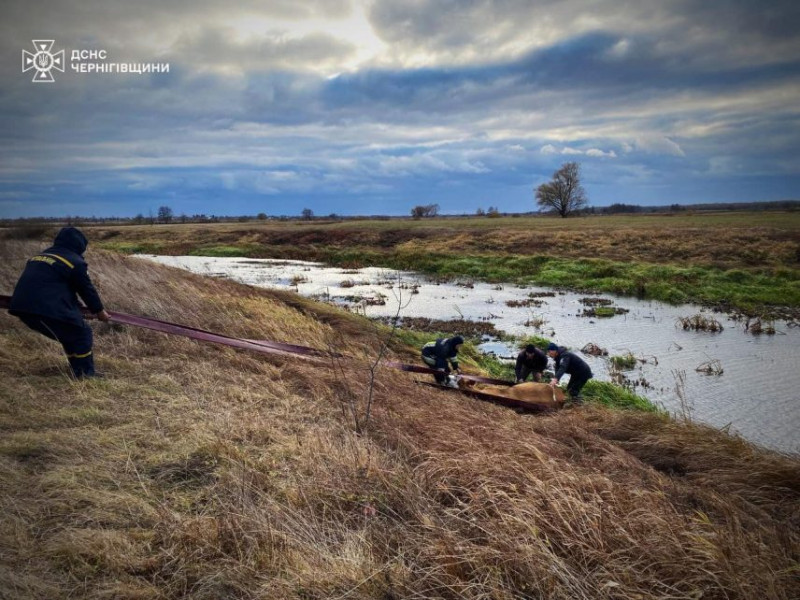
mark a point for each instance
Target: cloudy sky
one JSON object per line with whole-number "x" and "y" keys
{"x": 373, "y": 106}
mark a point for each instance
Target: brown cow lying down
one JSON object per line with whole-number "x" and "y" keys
{"x": 535, "y": 393}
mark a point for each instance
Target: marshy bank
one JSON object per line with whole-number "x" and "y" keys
{"x": 201, "y": 472}
{"x": 755, "y": 366}
{"x": 745, "y": 262}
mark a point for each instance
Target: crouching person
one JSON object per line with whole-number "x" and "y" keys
{"x": 531, "y": 361}
{"x": 437, "y": 354}
{"x": 573, "y": 365}
{"x": 46, "y": 298}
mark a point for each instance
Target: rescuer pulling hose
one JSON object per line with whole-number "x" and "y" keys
{"x": 46, "y": 299}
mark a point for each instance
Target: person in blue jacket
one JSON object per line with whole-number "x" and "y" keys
{"x": 46, "y": 298}
{"x": 573, "y": 365}
{"x": 437, "y": 354}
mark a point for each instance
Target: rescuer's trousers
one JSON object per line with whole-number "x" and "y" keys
{"x": 75, "y": 339}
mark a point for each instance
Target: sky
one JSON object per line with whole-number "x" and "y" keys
{"x": 375, "y": 106}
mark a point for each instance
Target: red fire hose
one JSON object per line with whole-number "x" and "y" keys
{"x": 282, "y": 348}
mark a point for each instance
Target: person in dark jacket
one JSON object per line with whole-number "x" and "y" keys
{"x": 46, "y": 298}
{"x": 531, "y": 361}
{"x": 573, "y": 365}
{"x": 437, "y": 354}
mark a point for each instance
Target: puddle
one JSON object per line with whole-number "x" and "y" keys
{"x": 756, "y": 396}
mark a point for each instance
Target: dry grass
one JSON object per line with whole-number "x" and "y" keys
{"x": 729, "y": 240}
{"x": 195, "y": 471}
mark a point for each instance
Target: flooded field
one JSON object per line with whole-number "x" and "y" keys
{"x": 729, "y": 377}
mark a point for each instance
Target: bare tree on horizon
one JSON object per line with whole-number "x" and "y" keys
{"x": 564, "y": 193}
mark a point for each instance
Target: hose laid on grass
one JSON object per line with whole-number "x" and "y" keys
{"x": 263, "y": 346}
{"x": 282, "y": 348}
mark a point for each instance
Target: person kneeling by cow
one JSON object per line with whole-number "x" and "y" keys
{"x": 531, "y": 361}
{"x": 569, "y": 363}
{"x": 437, "y": 354}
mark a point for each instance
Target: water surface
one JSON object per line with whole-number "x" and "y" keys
{"x": 756, "y": 396}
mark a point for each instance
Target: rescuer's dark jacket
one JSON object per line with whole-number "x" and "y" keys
{"x": 571, "y": 364}
{"x": 536, "y": 364}
{"x": 53, "y": 279}
{"x": 443, "y": 350}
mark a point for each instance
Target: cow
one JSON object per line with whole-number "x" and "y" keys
{"x": 531, "y": 391}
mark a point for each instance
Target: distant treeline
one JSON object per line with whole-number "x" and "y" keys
{"x": 715, "y": 206}
{"x": 166, "y": 217}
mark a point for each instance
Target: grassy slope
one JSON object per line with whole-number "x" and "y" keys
{"x": 745, "y": 260}
{"x": 207, "y": 473}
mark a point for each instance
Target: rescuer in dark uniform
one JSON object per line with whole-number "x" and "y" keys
{"x": 573, "y": 365}
{"x": 46, "y": 298}
{"x": 437, "y": 354}
{"x": 530, "y": 361}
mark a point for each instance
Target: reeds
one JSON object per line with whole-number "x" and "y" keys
{"x": 296, "y": 280}
{"x": 699, "y": 322}
{"x": 756, "y": 326}
{"x": 710, "y": 367}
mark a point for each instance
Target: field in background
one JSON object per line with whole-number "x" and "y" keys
{"x": 733, "y": 261}
{"x": 194, "y": 471}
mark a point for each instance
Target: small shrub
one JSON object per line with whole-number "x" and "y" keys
{"x": 624, "y": 362}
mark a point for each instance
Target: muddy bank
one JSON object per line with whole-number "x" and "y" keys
{"x": 463, "y": 327}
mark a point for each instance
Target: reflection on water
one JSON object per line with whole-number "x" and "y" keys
{"x": 756, "y": 396}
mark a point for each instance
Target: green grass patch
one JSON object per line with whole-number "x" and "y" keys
{"x": 750, "y": 291}
{"x": 624, "y": 362}
{"x": 415, "y": 339}
{"x": 227, "y": 251}
{"x": 133, "y": 247}
{"x": 614, "y": 396}
{"x": 537, "y": 340}
{"x": 488, "y": 363}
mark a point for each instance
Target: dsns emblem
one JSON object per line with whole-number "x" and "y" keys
{"x": 42, "y": 61}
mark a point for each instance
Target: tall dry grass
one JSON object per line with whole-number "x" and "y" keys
{"x": 196, "y": 471}
{"x": 723, "y": 240}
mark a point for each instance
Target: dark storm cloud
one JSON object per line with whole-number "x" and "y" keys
{"x": 467, "y": 101}
{"x": 736, "y": 31}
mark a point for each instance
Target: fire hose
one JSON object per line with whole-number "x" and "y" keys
{"x": 285, "y": 349}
